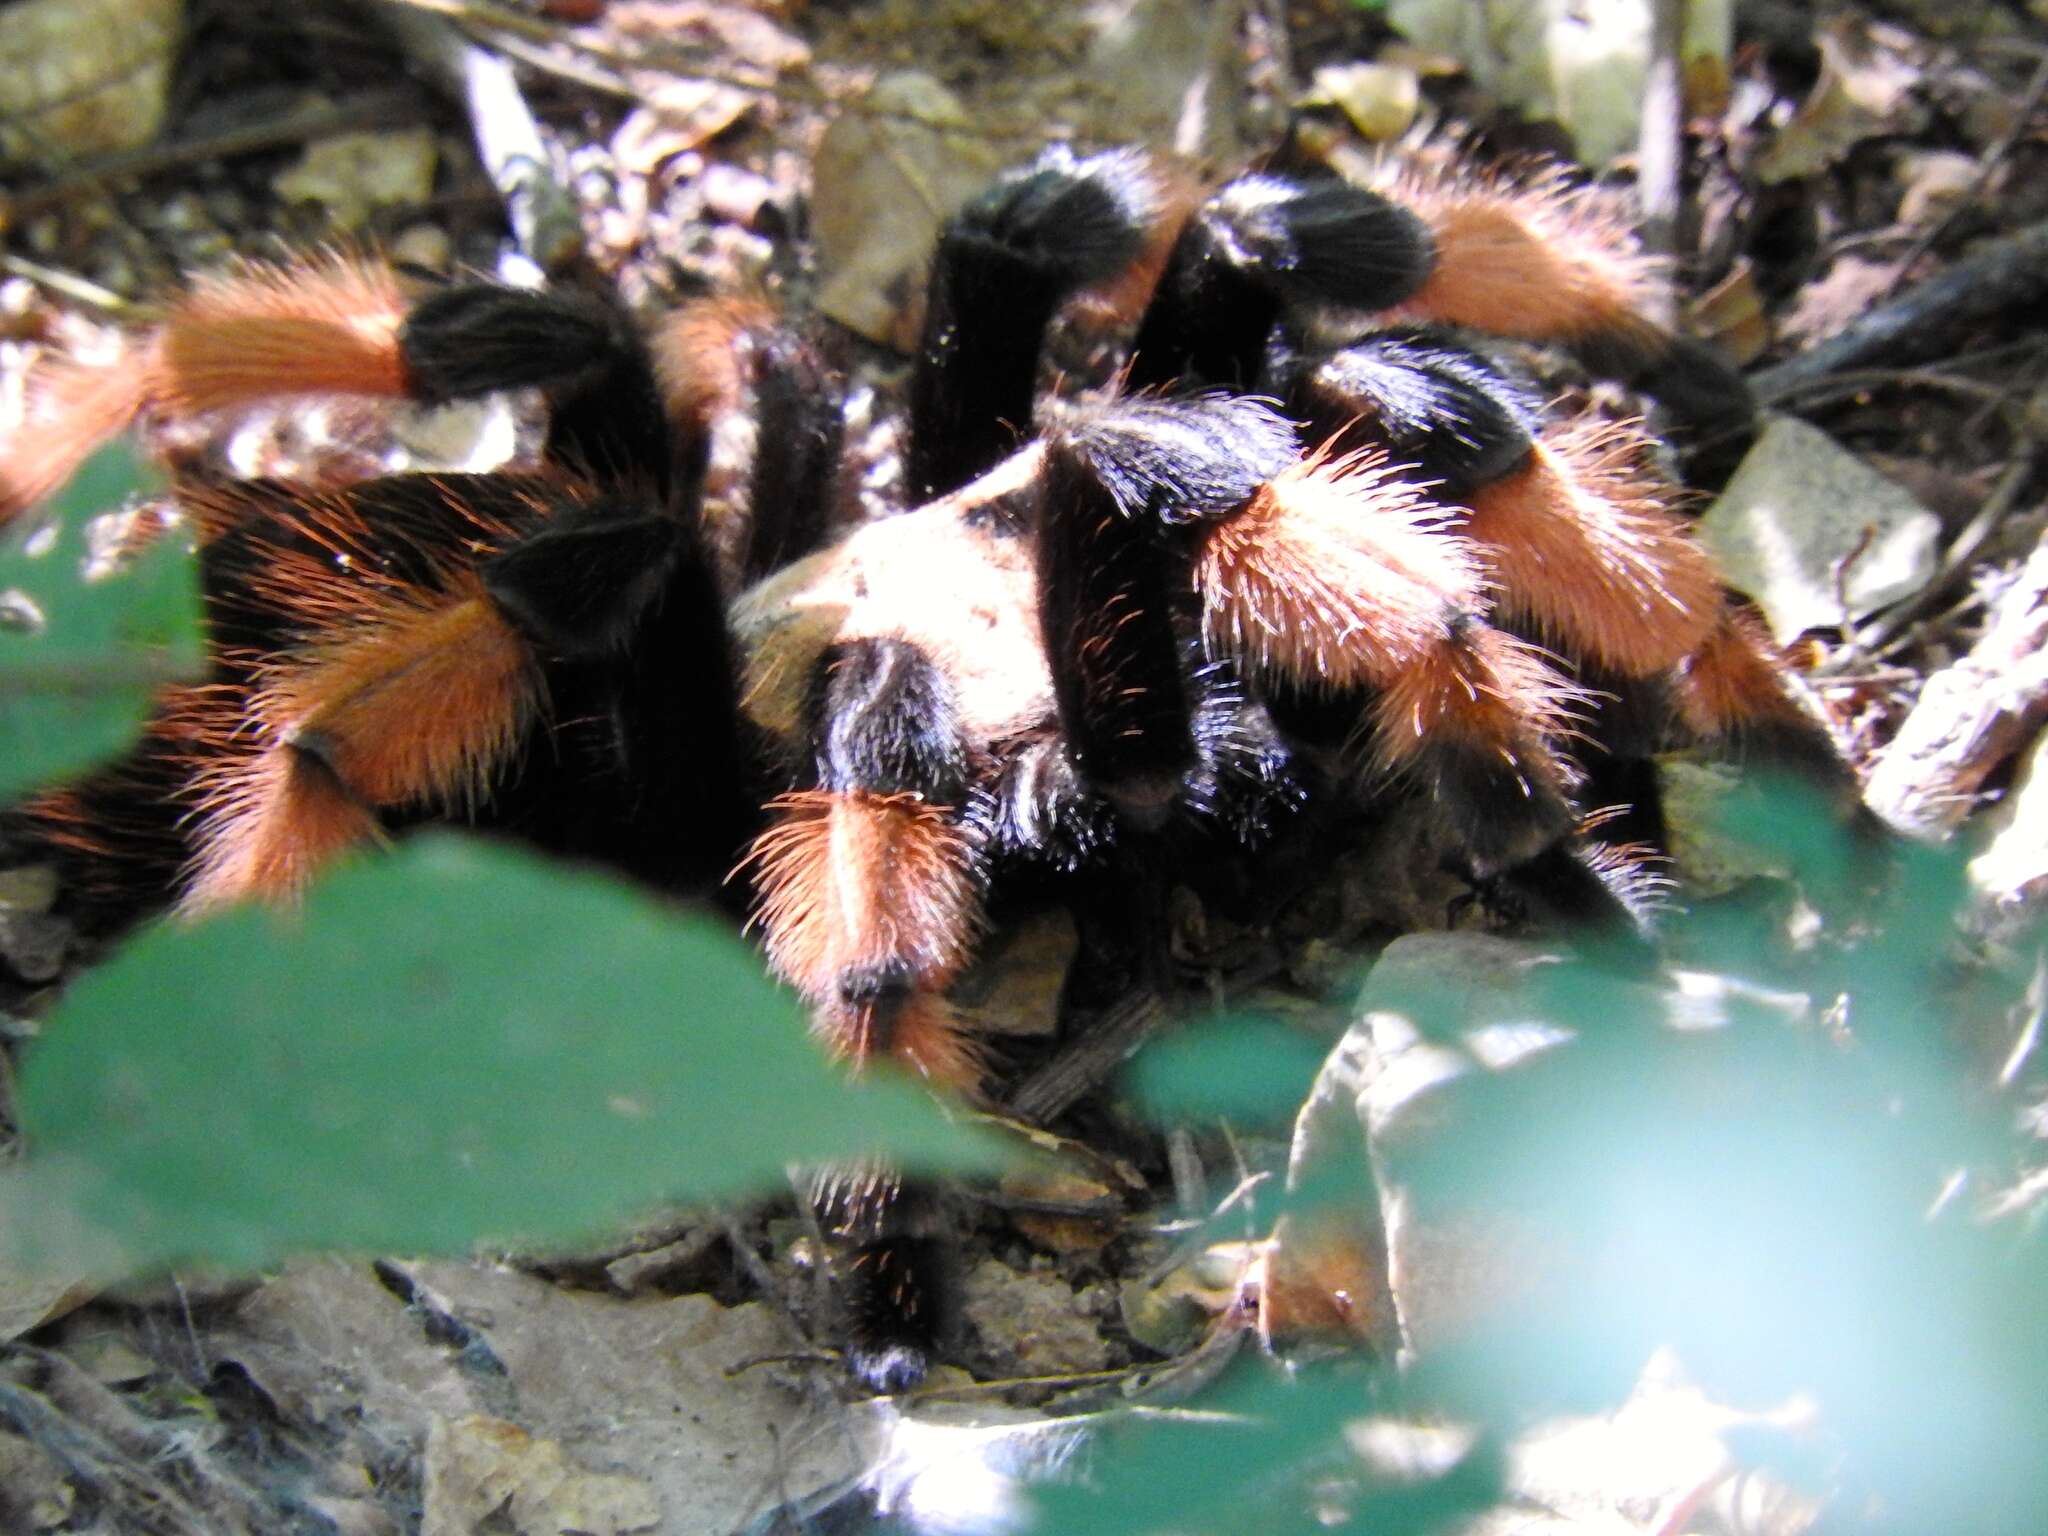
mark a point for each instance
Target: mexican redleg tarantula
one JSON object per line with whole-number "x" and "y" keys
{"x": 1320, "y": 539}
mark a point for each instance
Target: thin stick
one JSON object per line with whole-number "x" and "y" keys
{"x": 70, "y": 284}
{"x": 545, "y": 220}
{"x": 499, "y": 23}
{"x": 1660, "y": 144}
{"x": 2003, "y": 274}
{"x": 578, "y": 72}
{"x": 1075, "y": 1071}
{"x": 1994, "y": 511}
{"x": 1863, "y": 380}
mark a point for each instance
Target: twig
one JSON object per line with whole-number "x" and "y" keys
{"x": 1202, "y": 1234}
{"x": 1943, "y": 619}
{"x": 545, "y": 220}
{"x": 1875, "y": 636}
{"x": 473, "y": 15}
{"x": 1971, "y": 716}
{"x": 1987, "y": 165}
{"x": 1862, "y": 380}
{"x": 78, "y": 289}
{"x": 2002, "y": 274}
{"x": 578, "y": 72}
{"x": 372, "y": 109}
{"x": 1079, "y": 1068}
{"x": 1660, "y": 143}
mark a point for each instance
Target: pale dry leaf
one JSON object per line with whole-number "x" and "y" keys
{"x": 480, "y": 1468}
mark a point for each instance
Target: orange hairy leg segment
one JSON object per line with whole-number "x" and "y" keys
{"x": 1585, "y": 546}
{"x": 867, "y": 905}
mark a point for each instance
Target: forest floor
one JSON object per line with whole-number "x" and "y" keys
{"x": 1861, "y": 226}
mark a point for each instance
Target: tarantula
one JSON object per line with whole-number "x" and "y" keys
{"x": 1319, "y": 540}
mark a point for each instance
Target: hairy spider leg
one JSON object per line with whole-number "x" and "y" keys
{"x": 1263, "y": 245}
{"x": 898, "y": 1282}
{"x": 389, "y": 695}
{"x": 1537, "y": 257}
{"x": 233, "y": 784}
{"x": 339, "y": 324}
{"x": 733, "y": 369}
{"x": 1340, "y": 577}
{"x": 325, "y": 324}
{"x": 1734, "y": 692}
{"x": 1005, "y": 263}
{"x": 1332, "y": 579}
{"x": 650, "y": 768}
{"x": 868, "y": 891}
{"x": 1574, "y": 567}
{"x": 1579, "y": 534}
{"x": 415, "y": 625}
{"x": 1534, "y": 258}
{"x": 1588, "y": 556}
{"x": 1110, "y": 581}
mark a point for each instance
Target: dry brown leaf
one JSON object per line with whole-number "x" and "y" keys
{"x": 29, "y": 1301}
{"x": 679, "y": 116}
{"x": 1062, "y": 1233}
{"x": 1865, "y": 88}
{"x": 1849, "y": 286}
{"x": 888, "y": 170}
{"x": 1731, "y": 315}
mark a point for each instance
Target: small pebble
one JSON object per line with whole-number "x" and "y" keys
{"x": 182, "y": 214}
{"x": 425, "y": 246}
{"x": 33, "y": 944}
{"x": 28, "y": 888}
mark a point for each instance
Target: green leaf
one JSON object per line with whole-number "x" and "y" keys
{"x": 1259, "y": 1457}
{"x": 73, "y": 691}
{"x": 1243, "y": 1067}
{"x": 453, "y": 1043}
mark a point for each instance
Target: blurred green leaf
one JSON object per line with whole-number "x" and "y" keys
{"x": 453, "y": 1043}
{"x": 1242, "y": 1067}
{"x": 74, "y": 691}
{"x": 1265, "y": 1453}
{"x": 1753, "y": 1191}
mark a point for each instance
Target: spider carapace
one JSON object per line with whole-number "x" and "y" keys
{"x": 1319, "y": 539}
